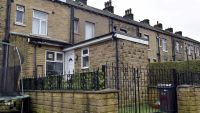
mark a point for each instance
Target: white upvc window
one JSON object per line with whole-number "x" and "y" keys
{"x": 54, "y": 63}
{"x": 20, "y": 10}
{"x": 177, "y": 47}
{"x": 198, "y": 51}
{"x": 76, "y": 26}
{"x": 39, "y": 23}
{"x": 85, "y": 58}
{"x": 164, "y": 44}
{"x": 147, "y": 38}
{"x": 89, "y": 30}
{"x": 189, "y": 50}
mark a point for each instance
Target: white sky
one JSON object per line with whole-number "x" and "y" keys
{"x": 182, "y": 15}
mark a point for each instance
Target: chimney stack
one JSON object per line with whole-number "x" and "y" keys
{"x": 146, "y": 21}
{"x": 128, "y": 14}
{"x": 82, "y": 1}
{"x": 169, "y": 30}
{"x": 179, "y": 33}
{"x": 158, "y": 25}
{"x": 109, "y": 7}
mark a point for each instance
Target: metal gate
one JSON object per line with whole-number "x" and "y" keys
{"x": 143, "y": 90}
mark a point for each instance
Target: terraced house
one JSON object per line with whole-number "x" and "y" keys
{"x": 60, "y": 36}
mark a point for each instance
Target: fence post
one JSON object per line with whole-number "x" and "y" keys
{"x": 175, "y": 83}
{"x": 104, "y": 75}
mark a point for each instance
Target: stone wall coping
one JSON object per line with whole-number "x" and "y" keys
{"x": 188, "y": 86}
{"x": 105, "y": 91}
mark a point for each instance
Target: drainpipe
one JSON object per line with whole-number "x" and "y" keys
{"x": 6, "y": 47}
{"x": 35, "y": 61}
{"x": 72, "y": 25}
{"x": 116, "y": 60}
{"x": 158, "y": 43}
{"x": 173, "y": 49}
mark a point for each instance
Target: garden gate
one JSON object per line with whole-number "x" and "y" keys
{"x": 143, "y": 90}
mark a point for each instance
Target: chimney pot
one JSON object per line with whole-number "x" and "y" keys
{"x": 109, "y": 7}
{"x": 179, "y": 33}
{"x": 82, "y": 1}
{"x": 128, "y": 14}
{"x": 158, "y": 25}
{"x": 169, "y": 30}
{"x": 145, "y": 21}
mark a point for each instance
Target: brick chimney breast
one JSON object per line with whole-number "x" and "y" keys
{"x": 158, "y": 25}
{"x": 109, "y": 7}
{"x": 179, "y": 33}
{"x": 169, "y": 30}
{"x": 146, "y": 21}
{"x": 128, "y": 14}
{"x": 82, "y": 1}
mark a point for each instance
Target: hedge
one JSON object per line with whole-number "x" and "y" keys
{"x": 180, "y": 66}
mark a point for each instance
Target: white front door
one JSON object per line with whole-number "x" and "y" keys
{"x": 69, "y": 62}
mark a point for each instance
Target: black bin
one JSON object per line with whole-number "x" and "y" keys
{"x": 168, "y": 99}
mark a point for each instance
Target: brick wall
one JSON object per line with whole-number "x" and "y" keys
{"x": 74, "y": 101}
{"x": 27, "y": 53}
{"x": 188, "y": 99}
{"x": 58, "y": 17}
{"x": 105, "y": 52}
{"x": 101, "y": 24}
{"x": 2, "y": 18}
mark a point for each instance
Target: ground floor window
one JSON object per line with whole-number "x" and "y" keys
{"x": 54, "y": 63}
{"x": 85, "y": 58}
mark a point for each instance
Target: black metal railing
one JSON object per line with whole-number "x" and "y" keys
{"x": 78, "y": 81}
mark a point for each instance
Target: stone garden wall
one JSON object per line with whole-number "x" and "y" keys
{"x": 74, "y": 101}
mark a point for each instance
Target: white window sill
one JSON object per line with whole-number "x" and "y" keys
{"x": 76, "y": 33}
{"x": 149, "y": 49}
{"x": 85, "y": 67}
{"x": 45, "y": 36}
{"x": 20, "y": 24}
{"x": 165, "y": 51}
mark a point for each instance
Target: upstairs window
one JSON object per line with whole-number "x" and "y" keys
{"x": 177, "y": 47}
{"x": 164, "y": 44}
{"x": 190, "y": 50}
{"x": 198, "y": 51}
{"x": 54, "y": 63}
{"x": 39, "y": 23}
{"x": 76, "y": 26}
{"x": 147, "y": 38}
{"x": 20, "y": 14}
{"x": 85, "y": 58}
{"x": 89, "y": 30}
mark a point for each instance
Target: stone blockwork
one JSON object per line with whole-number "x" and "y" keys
{"x": 101, "y": 24}
{"x": 132, "y": 53}
{"x": 104, "y": 101}
{"x": 188, "y": 99}
{"x": 2, "y": 18}
{"x": 105, "y": 52}
{"x": 27, "y": 54}
{"x": 58, "y": 17}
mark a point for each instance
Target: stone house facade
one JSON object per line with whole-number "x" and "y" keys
{"x": 59, "y": 37}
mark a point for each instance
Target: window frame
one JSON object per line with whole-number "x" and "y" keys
{"x": 77, "y": 24}
{"x": 85, "y": 55}
{"x": 40, "y": 22}
{"x": 22, "y": 15}
{"x": 145, "y": 36}
{"x": 177, "y": 46}
{"x": 164, "y": 45}
{"x": 93, "y": 31}
{"x": 55, "y": 60}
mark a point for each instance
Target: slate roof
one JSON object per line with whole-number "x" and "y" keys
{"x": 119, "y": 18}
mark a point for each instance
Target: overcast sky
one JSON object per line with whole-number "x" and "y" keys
{"x": 182, "y": 15}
